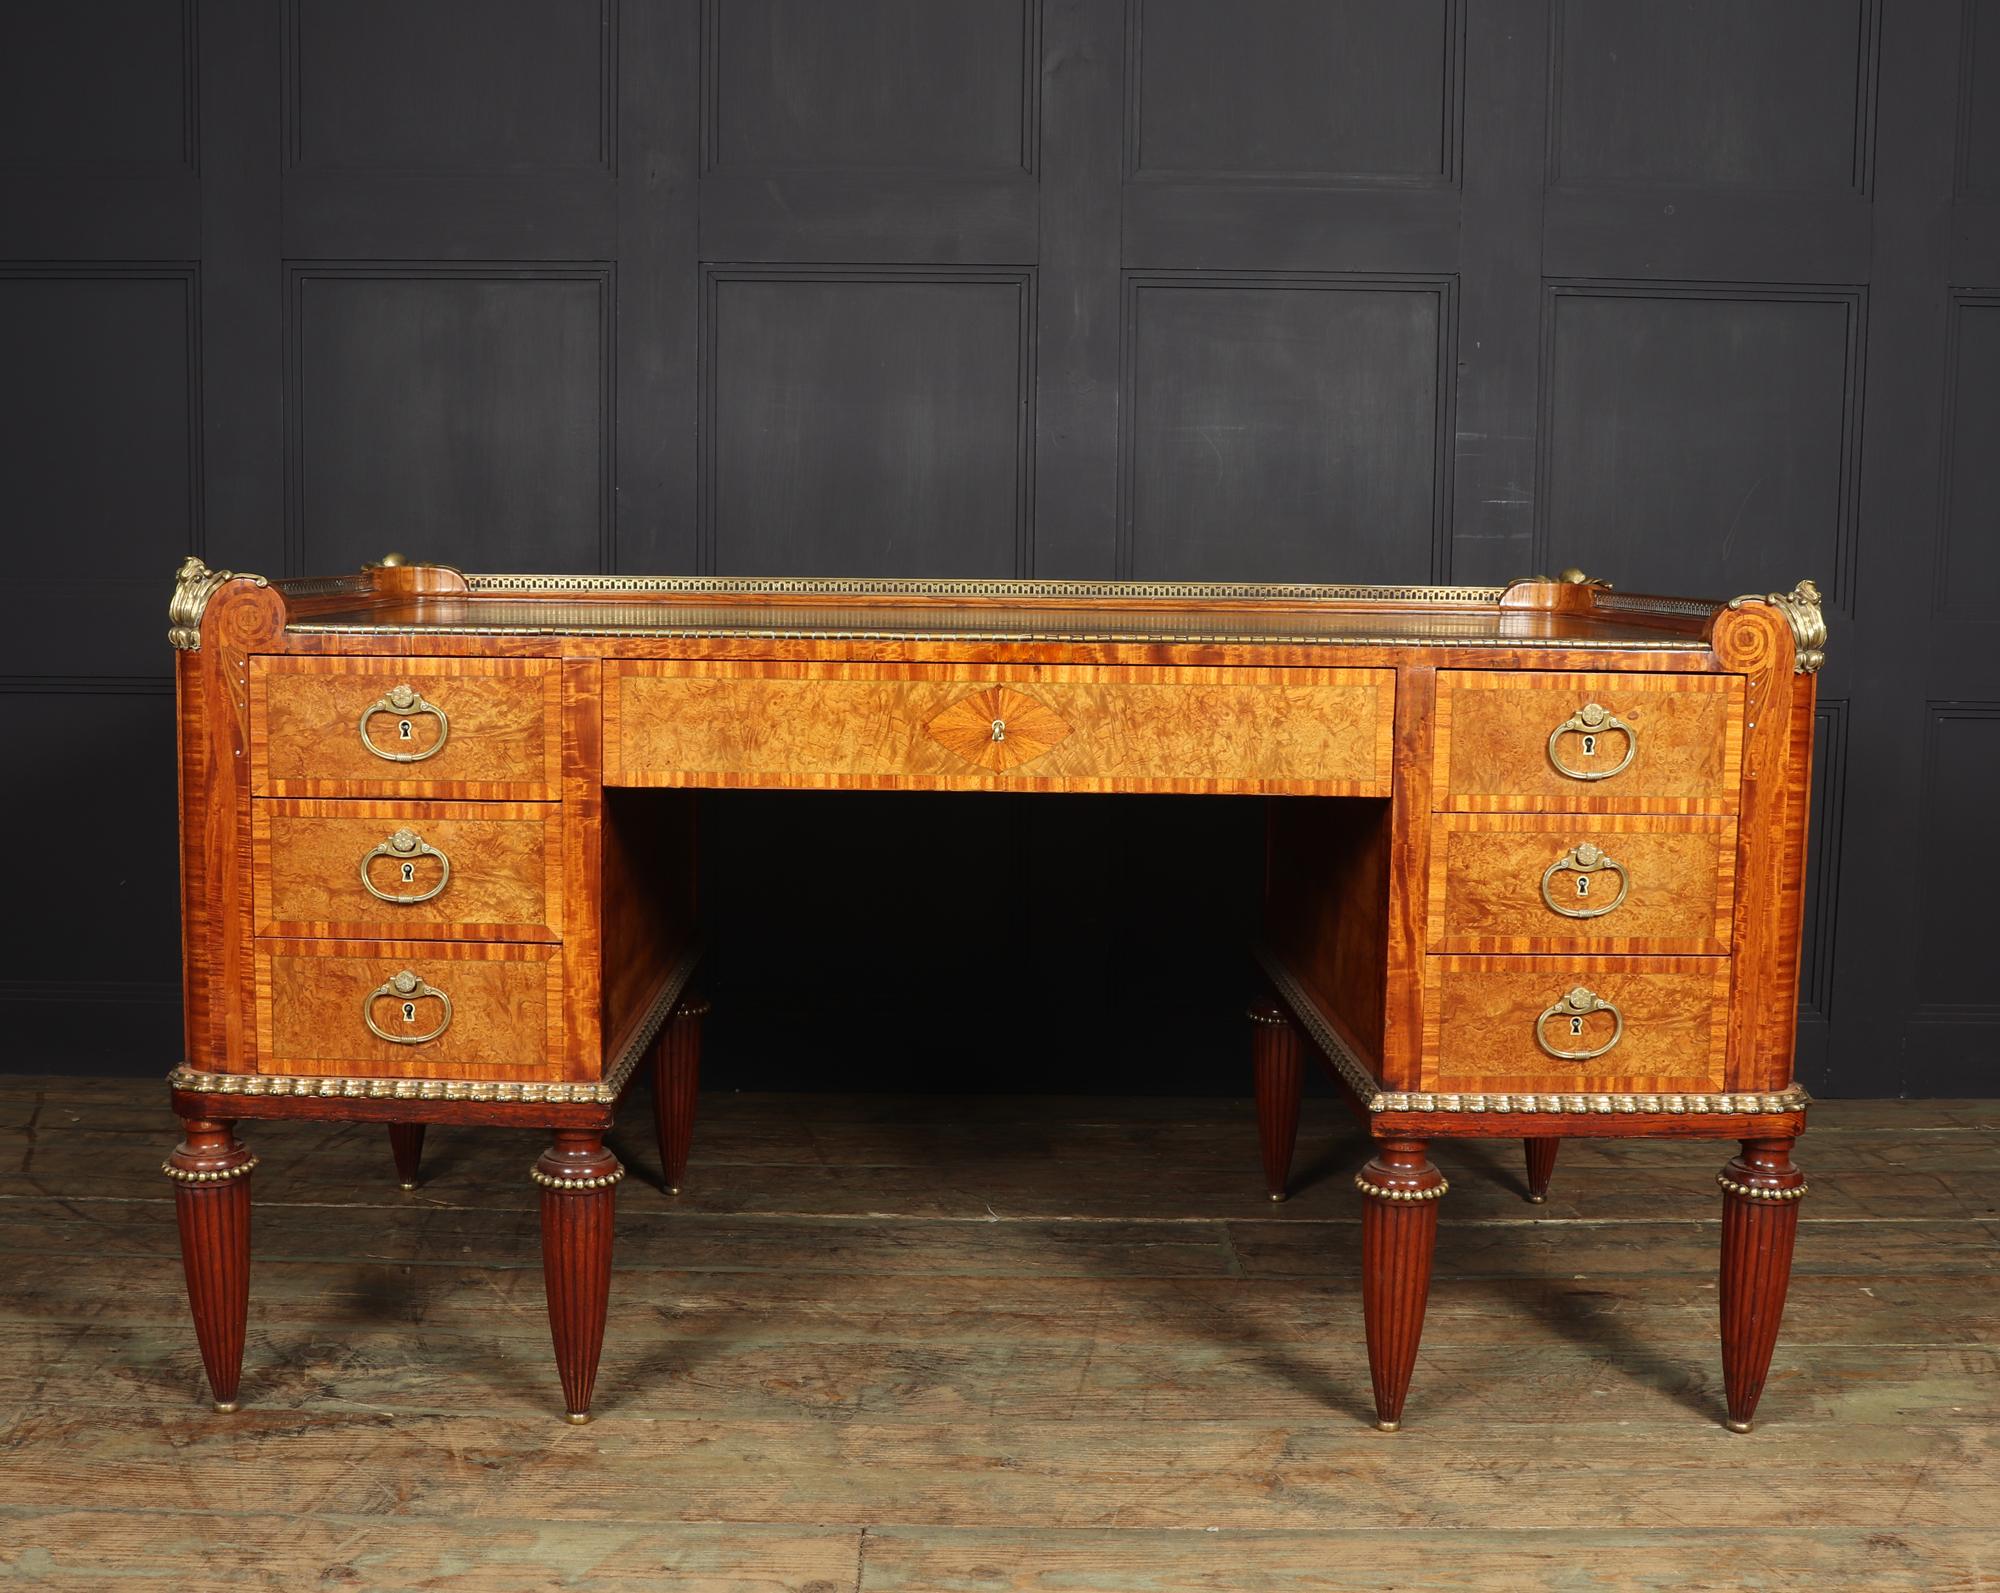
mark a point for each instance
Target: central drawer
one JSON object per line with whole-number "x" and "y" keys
{"x": 975, "y": 727}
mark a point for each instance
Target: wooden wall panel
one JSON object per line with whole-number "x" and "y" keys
{"x": 1305, "y": 414}
{"x": 1295, "y": 89}
{"x": 1969, "y": 550}
{"x": 900, "y": 406}
{"x": 871, "y": 84}
{"x": 1285, "y": 288}
{"x": 1701, "y": 438}
{"x": 463, "y": 412}
{"x": 108, "y": 85}
{"x": 457, "y": 85}
{"x": 1713, "y": 93}
{"x": 100, "y": 406}
{"x": 1954, "y": 984}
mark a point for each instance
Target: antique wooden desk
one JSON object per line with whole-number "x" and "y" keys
{"x": 1534, "y": 864}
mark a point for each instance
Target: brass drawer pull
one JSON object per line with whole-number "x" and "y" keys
{"x": 404, "y": 848}
{"x": 406, "y": 704}
{"x": 1591, "y": 721}
{"x": 408, "y": 989}
{"x": 1576, "y": 1006}
{"x": 1583, "y": 862}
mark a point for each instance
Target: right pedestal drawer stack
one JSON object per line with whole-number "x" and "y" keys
{"x": 1582, "y": 876}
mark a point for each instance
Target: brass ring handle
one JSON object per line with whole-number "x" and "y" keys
{"x": 407, "y": 988}
{"x": 405, "y": 702}
{"x": 404, "y": 848}
{"x": 1591, "y": 721}
{"x": 1576, "y": 1006}
{"x": 1585, "y": 860}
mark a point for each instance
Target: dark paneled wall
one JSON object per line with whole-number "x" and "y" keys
{"x": 1699, "y": 295}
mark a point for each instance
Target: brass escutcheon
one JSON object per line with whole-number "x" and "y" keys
{"x": 407, "y": 988}
{"x": 404, "y": 848}
{"x": 1576, "y": 1006}
{"x": 1585, "y": 859}
{"x": 405, "y": 702}
{"x": 1591, "y": 721}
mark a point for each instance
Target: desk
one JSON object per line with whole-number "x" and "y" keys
{"x": 1534, "y": 864}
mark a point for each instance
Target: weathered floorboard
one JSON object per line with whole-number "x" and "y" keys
{"x": 969, "y": 1344}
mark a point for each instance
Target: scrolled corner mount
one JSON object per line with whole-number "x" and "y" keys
{"x": 1801, "y": 610}
{"x": 194, "y": 584}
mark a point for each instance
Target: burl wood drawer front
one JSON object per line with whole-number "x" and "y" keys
{"x": 1604, "y": 883}
{"x": 1655, "y": 1024}
{"x": 439, "y": 727}
{"x": 415, "y": 870}
{"x": 978, "y": 728}
{"x": 1581, "y": 743}
{"x": 409, "y": 1009}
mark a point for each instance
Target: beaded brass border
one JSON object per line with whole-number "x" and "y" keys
{"x": 601, "y": 1181}
{"x": 1752, "y": 1192}
{"x": 1356, "y": 1076}
{"x": 219, "y": 1175}
{"x": 1437, "y": 1191}
{"x": 604, "y": 1092}
{"x": 800, "y": 586}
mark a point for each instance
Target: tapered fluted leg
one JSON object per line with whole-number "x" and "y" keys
{"x": 211, "y": 1174}
{"x": 1399, "y": 1214}
{"x": 1277, "y": 1059}
{"x": 1761, "y": 1190}
{"x": 406, "y": 1143}
{"x": 1541, "y": 1167}
{"x": 676, "y": 1081}
{"x": 578, "y": 1179}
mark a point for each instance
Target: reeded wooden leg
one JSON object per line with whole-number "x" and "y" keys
{"x": 211, "y": 1174}
{"x": 676, "y": 1080}
{"x": 1399, "y": 1215}
{"x": 1276, "y": 1058}
{"x": 1761, "y": 1190}
{"x": 578, "y": 1179}
{"x": 1541, "y": 1167}
{"x": 406, "y": 1143}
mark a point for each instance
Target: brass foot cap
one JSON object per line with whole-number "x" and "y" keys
{"x": 673, "y": 1189}
{"x": 576, "y": 1418}
{"x": 1537, "y": 1200}
{"x": 1736, "y": 1426}
{"x": 1388, "y": 1427}
{"x": 412, "y": 1184}
{"x": 225, "y": 1407}
{"x": 1278, "y": 1194}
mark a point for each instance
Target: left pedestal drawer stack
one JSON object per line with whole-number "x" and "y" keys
{"x": 406, "y": 866}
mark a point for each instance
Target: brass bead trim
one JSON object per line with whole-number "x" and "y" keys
{"x": 1753, "y": 1192}
{"x": 190, "y": 1081}
{"x": 220, "y": 1175}
{"x": 697, "y": 1008}
{"x": 1355, "y": 1075}
{"x": 787, "y": 586}
{"x": 601, "y": 1181}
{"x": 1276, "y": 1020}
{"x": 1374, "y": 1191}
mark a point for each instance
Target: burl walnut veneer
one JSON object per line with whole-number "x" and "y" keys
{"x": 1534, "y": 864}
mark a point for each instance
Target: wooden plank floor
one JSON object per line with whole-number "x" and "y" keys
{"x": 957, "y": 1344}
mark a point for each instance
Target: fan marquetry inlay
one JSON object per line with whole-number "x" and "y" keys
{"x": 998, "y": 729}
